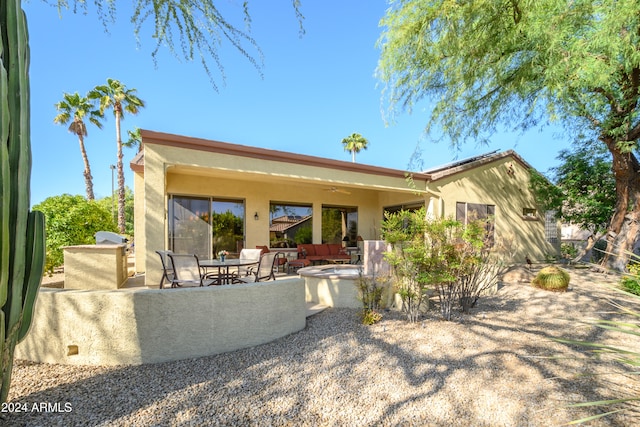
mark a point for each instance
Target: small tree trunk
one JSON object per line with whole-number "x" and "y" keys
{"x": 623, "y": 228}
{"x": 88, "y": 179}
{"x": 121, "y": 198}
{"x": 586, "y": 253}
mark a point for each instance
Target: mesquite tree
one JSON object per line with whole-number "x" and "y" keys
{"x": 21, "y": 231}
{"x": 521, "y": 64}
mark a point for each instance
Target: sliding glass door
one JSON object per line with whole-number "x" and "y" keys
{"x": 189, "y": 226}
{"x": 205, "y": 225}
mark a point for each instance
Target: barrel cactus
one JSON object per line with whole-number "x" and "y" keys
{"x": 552, "y": 278}
{"x": 22, "y": 246}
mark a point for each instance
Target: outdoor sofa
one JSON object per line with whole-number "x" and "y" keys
{"x": 323, "y": 253}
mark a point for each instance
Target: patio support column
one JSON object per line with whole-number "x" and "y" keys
{"x": 155, "y": 185}
{"x": 317, "y": 222}
{"x": 432, "y": 205}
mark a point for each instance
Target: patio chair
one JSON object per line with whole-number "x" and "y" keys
{"x": 167, "y": 269}
{"x": 281, "y": 260}
{"x": 248, "y": 254}
{"x": 266, "y": 268}
{"x": 187, "y": 271}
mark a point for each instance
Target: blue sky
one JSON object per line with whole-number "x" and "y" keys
{"x": 315, "y": 90}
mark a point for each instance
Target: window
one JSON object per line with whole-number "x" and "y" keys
{"x": 339, "y": 222}
{"x": 189, "y": 228}
{"x": 466, "y": 212}
{"x": 227, "y": 225}
{"x": 289, "y": 224}
{"x": 529, "y": 213}
{"x": 205, "y": 225}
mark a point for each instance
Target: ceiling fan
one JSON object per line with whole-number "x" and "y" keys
{"x": 337, "y": 190}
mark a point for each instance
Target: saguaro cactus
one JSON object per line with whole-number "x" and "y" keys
{"x": 22, "y": 245}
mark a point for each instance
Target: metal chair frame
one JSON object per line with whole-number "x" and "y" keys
{"x": 266, "y": 268}
{"x": 187, "y": 271}
{"x": 167, "y": 269}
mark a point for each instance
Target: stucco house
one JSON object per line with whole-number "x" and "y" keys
{"x": 199, "y": 196}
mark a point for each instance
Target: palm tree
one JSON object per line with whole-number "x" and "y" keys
{"x": 135, "y": 139}
{"x": 75, "y": 108}
{"x": 116, "y": 95}
{"x": 355, "y": 143}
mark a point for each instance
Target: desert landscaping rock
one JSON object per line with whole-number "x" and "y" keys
{"x": 498, "y": 366}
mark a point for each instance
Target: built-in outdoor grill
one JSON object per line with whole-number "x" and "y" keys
{"x": 110, "y": 238}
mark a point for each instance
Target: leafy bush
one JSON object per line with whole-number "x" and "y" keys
{"x": 631, "y": 282}
{"x": 568, "y": 250}
{"x": 111, "y": 204}
{"x": 402, "y": 230}
{"x": 71, "y": 220}
{"x": 369, "y": 317}
{"x": 552, "y": 278}
{"x": 443, "y": 254}
{"x": 370, "y": 293}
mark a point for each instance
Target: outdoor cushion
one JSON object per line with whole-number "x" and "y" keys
{"x": 335, "y": 248}
{"x": 307, "y": 247}
{"x": 298, "y": 263}
{"x": 322, "y": 250}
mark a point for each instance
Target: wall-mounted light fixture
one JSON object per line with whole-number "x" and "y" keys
{"x": 255, "y": 216}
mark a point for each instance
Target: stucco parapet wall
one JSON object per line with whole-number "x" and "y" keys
{"x": 137, "y": 326}
{"x": 263, "y": 160}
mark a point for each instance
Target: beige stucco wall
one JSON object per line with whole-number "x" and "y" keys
{"x": 258, "y": 182}
{"x": 182, "y": 171}
{"x": 140, "y": 240}
{"x": 491, "y": 184}
{"x": 136, "y": 326}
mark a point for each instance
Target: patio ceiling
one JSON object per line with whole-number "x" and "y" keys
{"x": 253, "y": 164}
{"x": 298, "y": 180}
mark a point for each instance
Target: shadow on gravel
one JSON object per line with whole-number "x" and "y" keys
{"x": 339, "y": 372}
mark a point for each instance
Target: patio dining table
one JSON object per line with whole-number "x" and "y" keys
{"x": 225, "y": 276}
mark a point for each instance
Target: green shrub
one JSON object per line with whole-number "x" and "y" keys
{"x": 370, "y": 293}
{"x": 111, "y": 205}
{"x": 552, "y": 278}
{"x": 631, "y": 282}
{"x": 568, "y": 250}
{"x": 71, "y": 220}
{"x": 369, "y": 317}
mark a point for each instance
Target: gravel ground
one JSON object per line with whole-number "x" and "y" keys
{"x": 494, "y": 367}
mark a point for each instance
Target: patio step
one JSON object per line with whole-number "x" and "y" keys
{"x": 315, "y": 308}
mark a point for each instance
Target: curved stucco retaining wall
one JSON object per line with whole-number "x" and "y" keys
{"x": 136, "y": 326}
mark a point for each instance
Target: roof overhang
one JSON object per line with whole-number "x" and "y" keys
{"x": 243, "y": 151}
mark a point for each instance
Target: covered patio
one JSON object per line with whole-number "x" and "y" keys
{"x": 188, "y": 183}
